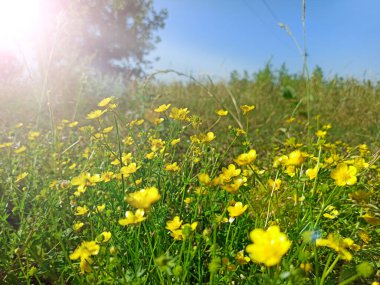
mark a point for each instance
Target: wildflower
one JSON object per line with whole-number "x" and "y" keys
{"x": 125, "y": 158}
{"x": 331, "y": 212}
{"x": 230, "y": 172}
{"x": 306, "y": 266}
{"x": 84, "y": 251}
{"x": 21, "y": 149}
{"x": 100, "y": 208}
{"x": 107, "y": 176}
{"x": 157, "y": 144}
{"x": 344, "y": 174}
{"x": 246, "y": 158}
{"x": 179, "y": 114}
{"x": 174, "y": 224}
{"x": 172, "y": 167}
{"x": 136, "y": 122}
{"x": 268, "y": 246}
{"x": 133, "y": 218}
{"x": 80, "y": 211}
{"x": 234, "y": 187}
{"x": 107, "y": 130}
{"x": 247, "y": 108}
{"x": 337, "y": 244}
{"x": 222, "y": 112}
{"x": 204, "y": 178}
{"x": 129, "y": 169}
{"x": 73, "y": 124}
{"x": 106, "y": 236}
{"x": 77, "y": 226}
{"x": 175, "y": 142}
{"x": 162, "y": 108}
{"x": 105, "y": 101}
{"x": 321, "y": 134}
{"x": 158, "y": 121}
{"x": 312, "y": 172}
{"x": 241, "y": 258}
{"x": 144, "y": 198}
{"x": 295, "y": 158}
{"x": 85, "y": 179}
{"x": 210, "y": 136}
{"x": 33, "y": 135}
{"x": 371, "y": 219}
{"x": 95, "y": 114}
{"x": 274, "y": 185}
{"x": 237, "y": 209}
{"x": 21, "y": 176}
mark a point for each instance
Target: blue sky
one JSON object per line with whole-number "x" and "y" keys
{"x": 214, "y": 37}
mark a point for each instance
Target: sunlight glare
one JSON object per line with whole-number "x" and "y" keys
{"x": 19, "y": 20}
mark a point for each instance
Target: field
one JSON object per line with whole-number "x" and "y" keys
{"x": 265, "y": 179}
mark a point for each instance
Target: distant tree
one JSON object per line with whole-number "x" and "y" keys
{"x": 118, "y": 34}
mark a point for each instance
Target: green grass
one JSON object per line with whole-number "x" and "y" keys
{"x": 64, "y": 166}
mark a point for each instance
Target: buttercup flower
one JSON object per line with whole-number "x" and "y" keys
{"x": 133, "y": 218}
{"x": 246, "y": 158}
{"x": 247, "y": 108}
{"x": 84, "y": 251}
{"x": 268, "y": 246}
{"x": 237, "y": 209}
{"x": 337, "y": 244}
{"x": 144, "y": 198}
{"x": 95, "y": 114}
{"x": 162, "y": 108}
{"x": 344, "y": 174}
{"x": 174, "y": 224}
{"x": 222, "y": 112}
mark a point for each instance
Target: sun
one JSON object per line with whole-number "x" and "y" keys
{"x": 19, "y": 20}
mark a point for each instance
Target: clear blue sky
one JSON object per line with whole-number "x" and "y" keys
{"x": 214, "y": 37}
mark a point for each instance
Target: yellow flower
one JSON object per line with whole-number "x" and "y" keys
{"x": 371, "y": 219}
{"x": 162, "y": 108}
{"x": 95, "y": 114}
{"x": 331, "y": 212}
{"x": 73, "y": 124}
{"x": 21, "y": 176}
{"x": 20, "y": 149}
{"x": 237, "y": 209}
{"x": 144, "y": 198}
{"x": 204, "y": 178}
{"x": 107, "y": 130}
{"x": 105, "y": 102}
{"x": 337, "y": 244}
{"x": 33, "y": 135}
{"x": 222, "y": 112}
{"x": 230, "y": 172}
{"x": 133, "y": 218}
{"x": 129, "y": 169}
{"x": 106, "y": 236}
{"x": 80, "y": 211}
{"x": 268, "y": 246}
{"x": 241, "y": 258}
{"x": 84, "y": 251}
{"x": 344, "y": 174}
{"x": 172, "y": 167}
{"x": 174, "y": 224}
{"x": 100, "y": 208}
{"x": 312, "y": 172}
{"x": 295, "y": 158}
{"x": 274, "y": 184}
{"x": 179, "y": 114}
{"x": 78, "y": 226}
{"x": 233, "y": 187}
{"x": 107, "y": 176}
{"x": 85, "y": 179}
{"x": 246, "y": 158}
{"x": 175, "y": 142}
{"x": 247, "y": 108}
{"x": 321, "y": 134}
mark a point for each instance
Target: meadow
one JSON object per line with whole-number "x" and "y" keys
{"x": 269, "y": 178}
